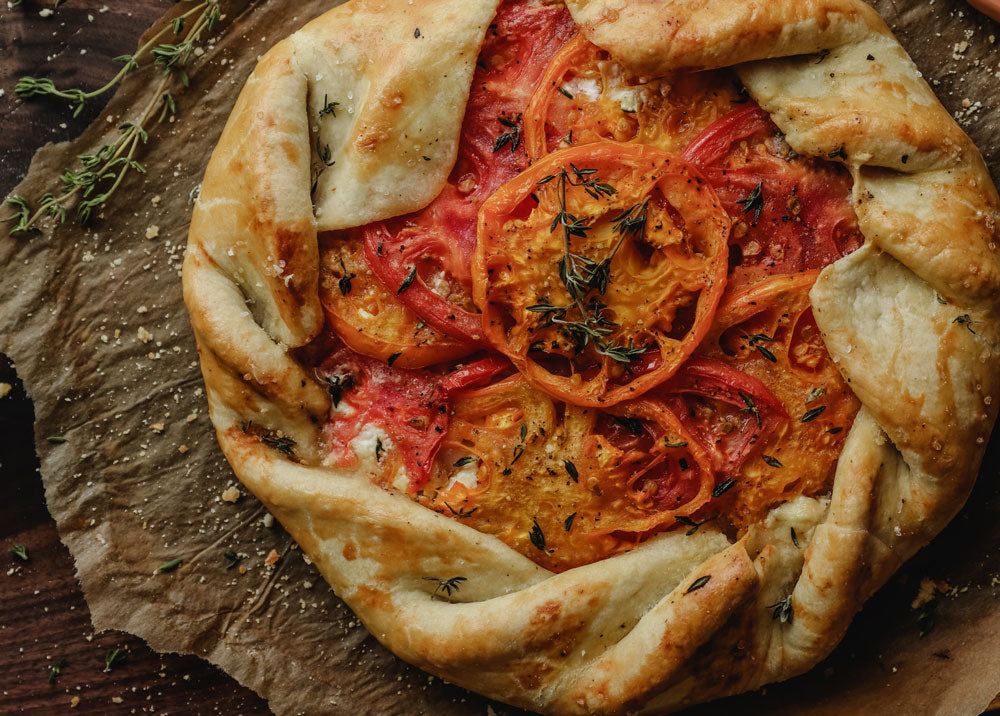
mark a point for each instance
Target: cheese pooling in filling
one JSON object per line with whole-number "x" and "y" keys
{"x": 600, "y": 330}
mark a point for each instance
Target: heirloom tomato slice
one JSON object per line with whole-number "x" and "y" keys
{"x": 598, "y": 270}
{"x": 563, "y": 484}
{"x": 586, "y": 96}
{"x": 726, "y": 410}
{"x": 411, "y": 407}
{"x": 768, "y": 332}
{"x": 368, "y": 318}
{"x": 791, "y": 213}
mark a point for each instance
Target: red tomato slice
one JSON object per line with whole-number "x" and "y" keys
{"x": 411, "y": 406}
{"x": 791, "y": 213}
{"x": 436, "y": 244}
{"x": 640, "y": 299}
{"x": 729, "y": 436}
{"x": 475, "y": 373}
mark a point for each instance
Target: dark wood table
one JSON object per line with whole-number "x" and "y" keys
{"x": 44, "y": 620}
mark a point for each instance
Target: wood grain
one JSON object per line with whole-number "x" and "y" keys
{"x": 43, "y": 615}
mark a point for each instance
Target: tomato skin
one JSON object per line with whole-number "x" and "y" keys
{"x": 714, "y": 142}
{"x": 475, "y": 373}
{"x": 792, "y": 213}
{"x": 368, "y": 319}
{"x": 692, "y": 253}
{"x": 720, "y": 381}
{"x": 514, "y": 54}
{"x": 390, "y": 266}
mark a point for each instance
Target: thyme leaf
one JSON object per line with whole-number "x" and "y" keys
{"x": 511, "y": 137}
{"x": 698, "y": 583}
{"x": 452, "y": 584}
{"x": 754, "y": 202}
{"x": 536, "y": 536}
{"x": 19, "y": 551}
{"x": 812, "y": 414}
{"x": 783, "y": 610}
{"x": 408, "y": 281}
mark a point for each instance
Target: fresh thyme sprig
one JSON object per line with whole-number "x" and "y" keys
{"x": 583, "y": 276}
{"x": 105, "y": 170}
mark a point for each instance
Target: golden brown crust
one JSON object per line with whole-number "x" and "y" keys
{"x": 910, "y": 319}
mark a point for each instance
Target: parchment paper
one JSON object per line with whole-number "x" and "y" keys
{"x": 128, "y": 497}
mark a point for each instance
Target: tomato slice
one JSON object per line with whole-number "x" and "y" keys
{"x": 586, "y": 483}
{"x": 410, "y": 406}
{"x": 598, "y": 270}
{"x": 727, "y": 411}
{"x": 368, "y": 318}
{"x": 476, "y": 373}
{"x": 791, "y": 213}
{"x": 424, "y": 257}
{"x": 586, "y": 96}
{"x": 767, "y": 332}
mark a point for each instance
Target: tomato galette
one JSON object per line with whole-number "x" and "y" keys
{"x": 605, "y": 356}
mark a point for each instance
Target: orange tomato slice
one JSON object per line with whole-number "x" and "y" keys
{"x": 565, "y": 485}
{"x": 586, "y": 96}
{"x": 767, "y": 330}
{"x": 369, "y": 319}
{"x": 598, "y": 270}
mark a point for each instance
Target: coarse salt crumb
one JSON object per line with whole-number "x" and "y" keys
{"x": 182, "y": 449}
{"x": 144, "y": 335}
{"x": 231, "y": 494}
{"x": 272, "y": 558}
{"x": 157, "y": 427}
{"x": 152, "y": 231}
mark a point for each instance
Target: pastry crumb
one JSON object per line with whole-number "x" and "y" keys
{"x": 157, "y": 427}
{"x": 182, "y": 449}
{"x": 117, "y": 700}
{"x": 152, "y": 231}
{"x": 929, "y": 590}
{"x": 268, "y": 520}
{"x": 5, "y": 388}
{"x": 231, "y": 494}
{"x": 272, "y": 558}
{"x": 144, "y": 335}
{"x": 74, "y": 702}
